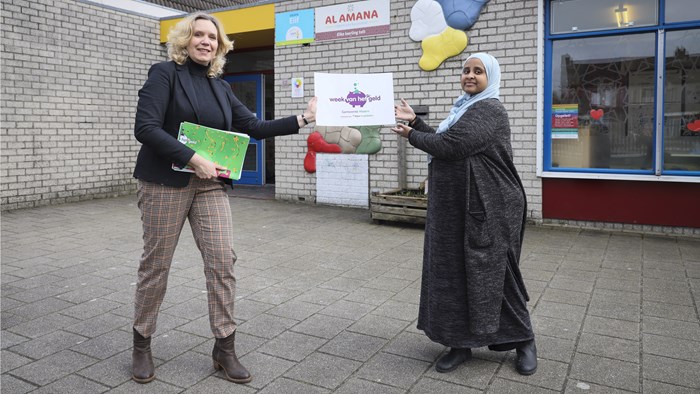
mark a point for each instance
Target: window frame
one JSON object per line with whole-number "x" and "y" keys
{"x": 657, "y": 173}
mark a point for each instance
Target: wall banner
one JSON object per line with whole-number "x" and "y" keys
{"x": 353, "y": 20}
{"x": 354, "y": 99}
{"x": 296, "y": 27}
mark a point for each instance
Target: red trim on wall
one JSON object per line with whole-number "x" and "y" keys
{"x": 655, "y": 203}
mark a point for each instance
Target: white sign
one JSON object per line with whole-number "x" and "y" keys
{"x": 354, "y": 99}
{"x": 352, "y": 20}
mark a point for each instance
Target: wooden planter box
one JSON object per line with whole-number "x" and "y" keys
{"x": 399, "y": 206}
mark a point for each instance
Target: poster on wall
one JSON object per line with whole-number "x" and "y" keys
{"x": 354, "y": 99}
{"x": 352, "y": 20}
{"x": 297, "y": 87}
{"x": 565, "y": 121}
{"x": 296, "y": 27}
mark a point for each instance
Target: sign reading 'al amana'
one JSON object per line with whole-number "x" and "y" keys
{"x": 352, "y": 20}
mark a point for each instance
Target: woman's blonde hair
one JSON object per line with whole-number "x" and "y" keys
{"x": 181, "y": 34}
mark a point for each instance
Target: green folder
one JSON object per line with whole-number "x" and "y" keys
{"x": 224, "y": 148}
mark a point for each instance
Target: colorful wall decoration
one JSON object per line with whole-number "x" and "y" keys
{"x": 440, "y": 26}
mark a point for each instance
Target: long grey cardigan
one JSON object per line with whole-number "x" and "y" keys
{"x": 472, "y": 292}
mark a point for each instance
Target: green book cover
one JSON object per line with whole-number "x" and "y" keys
{"x": 225, "y": 148}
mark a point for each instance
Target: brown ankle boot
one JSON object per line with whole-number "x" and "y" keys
{"x": 224, "y": 355}
{"x": 143, "y": 370}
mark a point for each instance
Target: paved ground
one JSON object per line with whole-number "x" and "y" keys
{"x": 327, "y": 302}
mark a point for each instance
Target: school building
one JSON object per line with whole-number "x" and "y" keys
{"x": 603, "y": 98}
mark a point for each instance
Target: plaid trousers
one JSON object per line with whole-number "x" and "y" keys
{"x": 163, "y": 212}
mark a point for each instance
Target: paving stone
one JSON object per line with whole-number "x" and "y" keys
{"x": 550, "y": 374}
{"x": 566, "y": 297}
{"x": 577, "y": 386}
{"x": 397, "y": 371}
{"x": 215, "y": 384}
{"x": 340, "y": 283}
{"x": 612, "y": 327}
{"x": 503, "y": 386}
{"x": 98, "y": 325}
{"x": 113, "y": 371}
{"x": 11, "y": 384}
{"x": 354, "y": 386}
{"x": 369, "y": 296}
{"x": 156, "y": 386}
{"x": 40, "y": 308}
{"x": 292, "y": 346}
{"x": 172, "y": 343}
{"x": 10, "y": 360}
{"x": 671, "y": 371}
{"x": 274, "y": 295}
{"x": 668, "y": 296}
{"x": 265, "y": 368}
{"x": 353, "y": 346}
{"x": 566, "y": 329}
{"x": 323, "y": 370}
{"x": 247, "y": 309}
{"x": 416, "y": 346}
{"x": 615, "y": 310}
{"x": 296, "y": 310}
{"x": 557, "y": 349}
{"x": 608, "y": 372}
{"x": 621, "y": 297}
{"x": 321, "y": 296}
{"x": 53, "y": 367}
{"x": 10, "y": 339}
{"x": 186, "y": 370}
{"x": 476, "y": 373}
{"x": 669, "y": 311}
{"x": 558, "y": 310}
{"x": 410, "y": 295}
{"x": 651, "y": 386}
{"x": 433, "y": 386}
{"x": 42, "y": 325}
{"x": 266, "y": 326}
{"x": 671, "y": 347}
{"x": 671, "y": 328}
{"x": 347, "y": 309}
{"x": 199, "y": 327}
{"x": 72, "y": 384}
{"x": 48, "y": 344}
{"x": 397, "y": 310}
{"x": 288, "y": 386}
{"x": 106, "y": 345}
{"x": 36, "y": 294}
{"x": 378, "y": 326}
{"x": 605, "y": 346}
{"x": 322, "y": 326}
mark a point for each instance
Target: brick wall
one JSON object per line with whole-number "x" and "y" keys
{"x": 514, "y": 44}
{"x": 70, "y": 76}
{"x": 342, "y": 180}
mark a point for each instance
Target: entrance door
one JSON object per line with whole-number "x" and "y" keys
{"x": 250, "y": 89}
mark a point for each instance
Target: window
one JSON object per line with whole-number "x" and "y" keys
{"x": 622, "y": 98}
{"x": 682, "y": 101}
{"x": 590, "y": 15}
{"x": 681, "y": 10}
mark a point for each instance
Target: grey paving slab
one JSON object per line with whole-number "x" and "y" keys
{"x": 613, "y": 312}
{"x": 323, "y": 370}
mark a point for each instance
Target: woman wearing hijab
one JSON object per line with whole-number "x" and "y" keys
{"x": 472, "y": 292}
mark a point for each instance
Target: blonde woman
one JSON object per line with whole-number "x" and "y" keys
{"x": 188, "y": 88}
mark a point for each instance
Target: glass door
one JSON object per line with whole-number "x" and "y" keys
{"x": 249, "y": 88}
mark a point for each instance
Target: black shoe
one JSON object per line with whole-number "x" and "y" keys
{"x": 526, "y": 359}
{"x": 453, "y": 359}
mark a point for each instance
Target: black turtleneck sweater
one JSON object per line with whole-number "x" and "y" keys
{"x": 209, "y": 110}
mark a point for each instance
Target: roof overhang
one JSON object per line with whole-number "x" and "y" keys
{"x": 248, "y": 27}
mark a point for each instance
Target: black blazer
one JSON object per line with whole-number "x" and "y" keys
{"x": 166, "y": 99}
